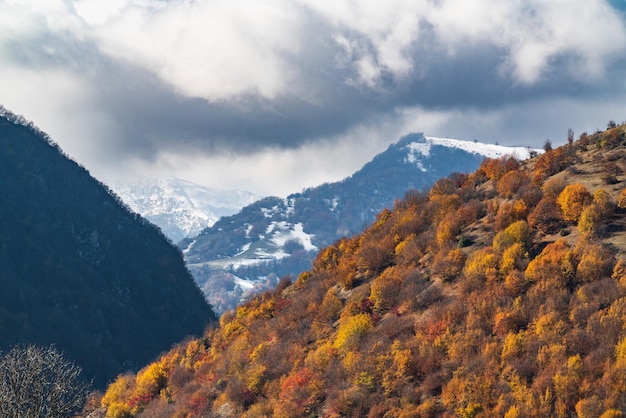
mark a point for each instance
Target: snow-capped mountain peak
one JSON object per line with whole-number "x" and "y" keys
{"x": 179, "y": 207}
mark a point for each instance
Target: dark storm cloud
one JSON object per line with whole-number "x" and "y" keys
{"x": 153, "y": 117}
{"x": 125, "y": 80}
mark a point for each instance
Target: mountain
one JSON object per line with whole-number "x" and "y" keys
{"x": 248, "y": 251}
{"x": 495, "y": 294}
{"x": 179, "y": 207}
{"x": 80, "y": 271}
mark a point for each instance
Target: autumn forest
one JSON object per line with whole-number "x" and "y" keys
{"x": 496, "y": 293}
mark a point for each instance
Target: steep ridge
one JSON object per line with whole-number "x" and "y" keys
{"x": 79, "y": 270}
{"x": 499, "y": 293}
{"x": 247, "y": 252}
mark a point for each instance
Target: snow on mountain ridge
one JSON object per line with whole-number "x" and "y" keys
{"x": 420, "y": 149}
{"x": 481, "y": 148}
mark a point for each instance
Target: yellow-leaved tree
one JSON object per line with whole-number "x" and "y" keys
{"x": 351, "y": 330}
{"x": 517, "y": 232}
{"x": 573, "y": 200}
{"x": 116, "y": 397}
{"x": 589, "y": 224}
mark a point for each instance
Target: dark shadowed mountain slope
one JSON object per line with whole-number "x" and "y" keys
{"x": 81, "y": 271}
{"x": 496, "y": 294}
{"x": 275, "y": 237}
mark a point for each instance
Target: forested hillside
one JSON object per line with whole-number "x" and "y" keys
{"x": 79, "y": 270}
{"x": 274, "y": 237}
{"x": 498, "y": 293}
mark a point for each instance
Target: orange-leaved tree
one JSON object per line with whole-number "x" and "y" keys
{"x": 556, "y": 265}
{"x": 546, "y": 216}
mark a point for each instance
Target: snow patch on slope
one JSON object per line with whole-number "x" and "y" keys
{"x": 293, "y": 232}
{"x": 243, "y": 283}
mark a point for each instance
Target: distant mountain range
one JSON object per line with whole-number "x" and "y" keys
{"x": 248, "y": 251}
{"x": 80, "y": 271}
{"x": 179, "y": 207}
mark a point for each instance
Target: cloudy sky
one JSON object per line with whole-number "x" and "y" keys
{"x": 272, "y": 96}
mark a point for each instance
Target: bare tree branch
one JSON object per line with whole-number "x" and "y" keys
{"x": 39, "y": 382}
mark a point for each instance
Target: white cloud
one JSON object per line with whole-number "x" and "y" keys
{"x": 365, "y": 70}
{"x": 222, "y": 50}
{"x": 385, "y": 32}
{"x": 214, "y": 50}
{"x": 535, "y": 33}
{"x": 97, "y": 12}
{"x": 532, "y": 34}
{"x": 21, "y": 91}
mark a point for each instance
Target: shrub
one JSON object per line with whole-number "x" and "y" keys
{"x": 612, "y": 137}
{"x": 572, "y": 200}
{"x": 515, "y": 282}
{"x": 442, "y": 187}
{"x": 481, "y": 263}
{"x": 495, "y": 169}
{"x": 448, "y": 264}
{"x": 469, "y": 212}
{"x": 385, "y": 289}
{"x": 512, "y": 258}
{"x": 556, "y": 264}
{"x": 351, "y": 330}
{"x": 552, "y": 162}
{"x": 589, "y": 224}
{"x": 118, "y": 410}
{"x": 374, "y": 255}
{"x": 596, "y": 262}
{"x": 409, "y": 222}
{"x": 448, "y": 229}
{"x": 517, "y": 232}
{"x": 148, "y": 383}
{"x": 442, "y": 205}
{"x": 610, "y": 171}
{"x": 530, "y": 194}
{"x": 553, "y": 187}
{"x": 511, "y": 182}
{"x": 118, "y": 391}
{"x": 602, "y": 200}
{"x": 612, "y": 413}
{"x": 330, "y": 307}
{"x": 546, "y": 217}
